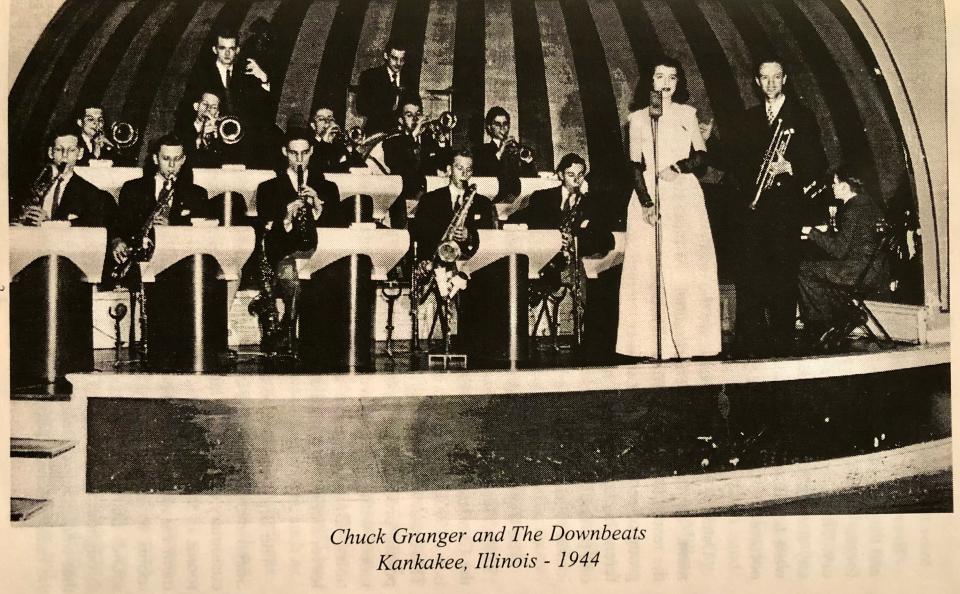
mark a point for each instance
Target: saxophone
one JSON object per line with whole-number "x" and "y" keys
{"x": 264, "y": 304}
{"x": 138, "y": 253}
{"x": 448, "y": 250}
{"x": 41, "y": 186}
{"x": 567, "y": 268}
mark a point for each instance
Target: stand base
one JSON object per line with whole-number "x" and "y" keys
{"x": 446, "y": 361}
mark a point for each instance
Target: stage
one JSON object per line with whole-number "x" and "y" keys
{"x": 671, "y": 438}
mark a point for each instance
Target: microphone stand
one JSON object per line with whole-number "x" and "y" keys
{"x": 656, "y": 110}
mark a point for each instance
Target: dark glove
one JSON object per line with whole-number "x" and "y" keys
{"x": 696, "y": 161}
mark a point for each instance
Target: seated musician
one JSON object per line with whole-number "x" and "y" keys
{"x": 289, "y": 208}
{"x": 432, "y": 221}
{"x": 161, "y": 194}
{"x": 60, "y": 193}
{"x": 503, "y": 157}
{"x": 332, "y": 151}
{"x": 198, "y": 129}
{"x": 848, "y": 251}
{"x": 404, "y": 156}
{"x": 570, "y": 209}
{"x": 93, "y": 139}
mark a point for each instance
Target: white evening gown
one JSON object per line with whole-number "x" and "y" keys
{"x": 690, "y": 293}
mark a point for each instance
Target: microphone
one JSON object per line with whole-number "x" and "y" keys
{"x": 656, "y": 104}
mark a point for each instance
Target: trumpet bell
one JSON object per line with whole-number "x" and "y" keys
{"x": 230, "y": 130}
{"x": 123, "y": 134}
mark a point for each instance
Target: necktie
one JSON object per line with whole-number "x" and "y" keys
{"x": 770, "y": 113}
{"x": 56, "y": 197}
{"x": 228, "y": 76}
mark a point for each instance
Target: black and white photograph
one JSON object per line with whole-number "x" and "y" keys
{"x": 432, "y": 294}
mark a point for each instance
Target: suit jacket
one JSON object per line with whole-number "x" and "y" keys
{"x": 246, "y": 96}
{"x": 805, "y": 151}
{"x": 275, "y": 194}
{"x": 433, "y": 215}
{"x": 853, "y": 246}
{"x": 377, "y": 98}
{"x": 81, "y": 202}
{"x": 543, "y": 211}
{"x": 106, "y": 153}
{"x": 333, "y": 158}
{"x": 508, "y": 171}
{"x": 137, "y": 201}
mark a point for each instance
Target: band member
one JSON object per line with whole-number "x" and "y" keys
{"x": 381, "y": 89}
{"x": 332, "y": 151}
{"x": 848, "y": 248}
{"x": 60, "y": 193}
{"x": 245, "y": 91}
{"x": 198, "y": 130}
{"x": 93, "y": 139}
{"x": 289, "y": 208}
{"x": 477, "y": 321}
{"x": 141, "y": 199}
{"x": 767, "y": 283}
{"x": 503, "y": 157}
{"x": 569, "y": 208}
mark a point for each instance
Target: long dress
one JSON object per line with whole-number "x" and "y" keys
{"x": 690, "y": 294}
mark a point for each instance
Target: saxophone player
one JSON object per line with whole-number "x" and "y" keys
{"x": 289, "y": 209}
{"x": 430, "y": 224}
{"x": 767, "y": 284}
{"x": 60, "y": 193}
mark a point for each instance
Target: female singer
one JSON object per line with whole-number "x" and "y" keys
{"x": 690, "y": 296}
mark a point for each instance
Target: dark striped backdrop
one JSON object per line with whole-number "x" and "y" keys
{"x": 565, "y": 68}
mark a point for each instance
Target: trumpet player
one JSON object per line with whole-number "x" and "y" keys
{"x": 60, "y": 193}
{"x": 289, "y": 208}
{"x": 198, "y": 129}
{"x": 94, "y": 141}
{"x": 767, "y": 284}
{"x": 333, "y": 152}
{"x": 503, "y": 157}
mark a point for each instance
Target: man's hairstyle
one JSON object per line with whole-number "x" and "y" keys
{"x": 408, "y": 99}
{"x": 769, "y": 59}
{"x": 225, "y": 33}
{"x": 568, "y": 160}
{"x": 63, "y": 129}
{"x": 83, "y": 106}
{"x": 852, "y": 176}
{"x": 464, "y": 152}
{"x": 318, "y": 107}
{"x": 493, "y": 113}
{"x": 297, "y": 133}
{"x": 641, "y": 95}
{"x": 394, "y": 44}
{"x": 165, "y": 140}
{"x": 202, "y": 92}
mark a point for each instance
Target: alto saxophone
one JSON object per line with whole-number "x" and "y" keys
{"x": 448, "y": 250}
{"x": 41, "y": 186}
{"x": 138, "y": 252}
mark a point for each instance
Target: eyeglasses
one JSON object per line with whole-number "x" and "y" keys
{"x": 500, "y": 124}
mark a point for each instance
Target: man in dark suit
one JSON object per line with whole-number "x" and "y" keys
{"x": 767, "y": 282}
{"x": 331, "y": 152}
{"x": 502, "y": 157}
{"x": 141, "y": 197}
{"x": 244, "y": 89}
{"x": 576, "y": 214}
{"x": 69, "y": 196}
{"x": 404, "y": 155}
{"x": 198, "y": 130}
{"x": 93, "y": 139}
{"x": 480, "y": 319}
{"x": 380, "y": 91}
{"x": 849, "y": 250}
{"x": 289, "y": 209}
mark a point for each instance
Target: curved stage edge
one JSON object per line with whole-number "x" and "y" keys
{"x": 77, "y": 498}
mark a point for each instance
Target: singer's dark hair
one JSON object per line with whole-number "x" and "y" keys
{"x": 641, "y": 95}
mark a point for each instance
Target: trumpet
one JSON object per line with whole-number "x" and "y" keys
{"x": 442, "y": 126}
{"x": 123, "y": 134}
{"x": 229, "y": 130}
{"x": 775, "y": 152}
{"x": 520, "y": 151}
